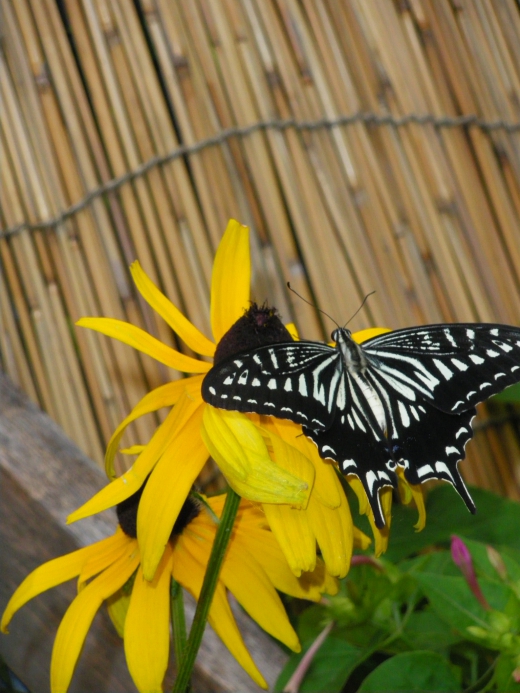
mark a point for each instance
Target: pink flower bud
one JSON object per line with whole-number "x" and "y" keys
{"x": 462, "y": 558}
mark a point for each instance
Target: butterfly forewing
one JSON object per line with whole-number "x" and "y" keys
{"x": 453, "y": 366}
{"x": 293, "y": 380}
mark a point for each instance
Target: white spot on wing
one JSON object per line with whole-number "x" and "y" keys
{"x": 442, "y": 467}
{"x": 443, "y": 369}
{"x": 425, "y": 469}
{"x": 477, "y": 360}
{"x": 405, "y": 419}
{"x": 302, "y": 385}
{"x": 272, "y": 385}
{"x": 450, "y": 450}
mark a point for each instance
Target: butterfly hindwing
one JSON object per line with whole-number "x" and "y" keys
{"x": 454, "y": 367}
{"x": 356, "y": 442}
{"x": 293, "y": 380}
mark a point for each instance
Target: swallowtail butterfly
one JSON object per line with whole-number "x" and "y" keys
{"x": 402, "y": 398}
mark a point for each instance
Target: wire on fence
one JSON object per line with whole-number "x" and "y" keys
{"x": 274, "y": 124}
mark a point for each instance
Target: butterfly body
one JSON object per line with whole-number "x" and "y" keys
{"x": 401, "y": 398}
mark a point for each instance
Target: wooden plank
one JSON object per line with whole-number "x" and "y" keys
{"x": 43, "y": 477}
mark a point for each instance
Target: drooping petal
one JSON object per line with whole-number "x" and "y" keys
{"x": 108, "y": 553}
{"x": 263, "y": 546}
{"x": 381, "y": 536}
{"x": 370, "y": 332}
{"x": 409, "y": 492}
{"x": 117, "y": 607}
{"x": 326, "y": 484}
{"x": 144, "y": 342}
{"x": 131, "y": 481}
{"x": 189, "y": 572}
{"x": 78, "y": 618}
{"x": 334, "y": 533}
{"x": 230, "y": 279}
{"x": 163, "y": 396}
{"x": 167, "y": 490}
{"x": 49, "y": 575}
{"x": 147, "y": 627}
{"x": 242, "y": 456}
{"x": 291, "y": 528}
{"x": 245, "y": 577}
{"x": 170, "y": 314}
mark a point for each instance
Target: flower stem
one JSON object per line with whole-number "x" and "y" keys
{"x": 216, "y": 558}
{"x": 178, "y": 621}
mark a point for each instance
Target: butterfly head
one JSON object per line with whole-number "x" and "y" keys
{"x": 341, "y": 334}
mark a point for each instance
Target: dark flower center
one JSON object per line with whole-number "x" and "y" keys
{"x": 259, "y": 326}
{"x": 127, "y": 514}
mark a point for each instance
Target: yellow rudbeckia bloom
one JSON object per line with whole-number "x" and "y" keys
{"x": 263, "y": 459}
{"x": 111, "y": 570}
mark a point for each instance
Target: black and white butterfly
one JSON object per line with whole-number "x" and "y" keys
{"x": 401, "y": 398}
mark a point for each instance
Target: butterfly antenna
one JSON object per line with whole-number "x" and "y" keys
{"x": 310, "y": 304}
{"x": 361, "y": 306}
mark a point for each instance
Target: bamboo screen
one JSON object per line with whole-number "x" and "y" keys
{"x": 369, "y": 145}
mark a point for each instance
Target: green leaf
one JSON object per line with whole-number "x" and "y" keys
{"x": 412, "y": 672}
{"x": 504, "y": 675}
{"x": 496, "y": 522}
{"x": 426, "y": 631}
{"x": 453, "y": 601}
{"x": 510, "y": 394}
{"x": 332, "y": 665}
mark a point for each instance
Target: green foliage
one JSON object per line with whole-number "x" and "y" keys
{"x": 412, "y": 622}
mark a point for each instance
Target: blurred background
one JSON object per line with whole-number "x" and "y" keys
{"x": 368, "y": 146}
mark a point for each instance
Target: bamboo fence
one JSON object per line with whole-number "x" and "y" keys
{"x": 369, "y": 145}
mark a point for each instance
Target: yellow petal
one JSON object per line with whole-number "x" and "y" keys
{"x": 147, "y": 627}
{"x": 170, "y": 314}
{"x": 49, "y": 575}
{"x": 263, "y": 546}
{"x": 78, "y": 617}
{"x": 361, "y": 541}
{"x": 163, "y": 396}
{"x": 244, "y": 576}
{"x": 241, "y": 453}
{"x": 189, "y": 572}
{"x": 144, "y": 342}
{"x": 117, "y": 607}
{"x": 231, "y": 279}
{"x": 293, "y": 331}
{"x": 291, "y": 528}
{"x": 109, "y": 551}
{"x": 166, "y": 491}
{"x": 132, "y": 450}
{"x": 326, "y": 484}
{"x": 363, "y": 335}
{"x": 334, "y": 533}
{"x": 131, "y": 481}
{"x": 381, "y": 536}
{"x": 415, "y": 492}
{"x": 289, "y": 458}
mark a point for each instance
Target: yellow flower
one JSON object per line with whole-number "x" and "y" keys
{"x": 110, "y": 570}
{"x": 264, "y": 461}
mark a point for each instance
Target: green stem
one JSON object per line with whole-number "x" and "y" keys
{"x": 216, "y": 558}
{"x": 178, "y": 621}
